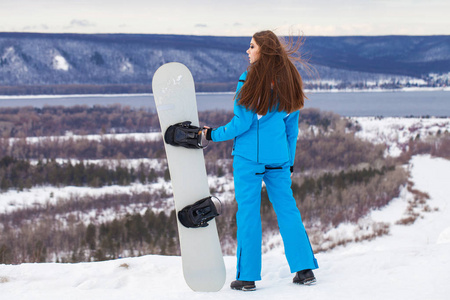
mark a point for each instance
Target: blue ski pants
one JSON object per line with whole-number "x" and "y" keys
{"x": 248, "y": 177}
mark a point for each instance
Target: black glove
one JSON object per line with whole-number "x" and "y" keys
{"x": 208, "y": 134}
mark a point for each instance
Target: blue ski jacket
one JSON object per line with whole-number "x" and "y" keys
{"x": 267, "y": 139}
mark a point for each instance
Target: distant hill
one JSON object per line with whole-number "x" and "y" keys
{"x": 415, "y": 56}
{"x": 62, "y": 63}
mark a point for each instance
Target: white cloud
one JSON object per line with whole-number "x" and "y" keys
{"x": 42, "y": 27}
{"x": 232, "y": 17}
{"x": 81, "y": 23}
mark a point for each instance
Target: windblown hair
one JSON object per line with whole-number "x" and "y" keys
{"x": 273, "y": 82}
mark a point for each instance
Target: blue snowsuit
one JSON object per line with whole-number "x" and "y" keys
{"x": 264, "y": 149}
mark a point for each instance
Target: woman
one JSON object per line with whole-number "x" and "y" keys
{"x": 265, "y": 128}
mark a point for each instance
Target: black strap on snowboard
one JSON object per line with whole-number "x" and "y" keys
{"x": 198, "y": 214}
{"x": 185, "y": 135}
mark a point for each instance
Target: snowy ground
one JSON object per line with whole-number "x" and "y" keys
{"x": 13, "y": 200}
{"x": 149, "y": 136}
{"x": 412, "y": 262}
{"x": 395, "y": 133}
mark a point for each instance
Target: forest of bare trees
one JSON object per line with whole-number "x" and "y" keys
{"x": 337, "y": 178}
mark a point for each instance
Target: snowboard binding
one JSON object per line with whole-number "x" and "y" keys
{"x": 185, "y": 135}
{"x": 198, "y": 214}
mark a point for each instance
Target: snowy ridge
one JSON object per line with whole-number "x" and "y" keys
{"x": 410, "y": 263}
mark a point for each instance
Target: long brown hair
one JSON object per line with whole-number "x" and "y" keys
{"x": 273, "y": 81}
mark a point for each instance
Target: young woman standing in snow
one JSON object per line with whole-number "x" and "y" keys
{"x": 264, "y": 128}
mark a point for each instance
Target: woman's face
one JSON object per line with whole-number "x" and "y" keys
{"x": 253, "y": 51}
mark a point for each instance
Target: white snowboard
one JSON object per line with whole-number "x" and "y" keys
{"x": 174, "y": 93}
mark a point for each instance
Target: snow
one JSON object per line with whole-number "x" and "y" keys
{"x": 153, "y": 163}
{"x": 10, "y": 53}
{"x": 13, "y": 200}
{"x": 412, "y": 262}
{"x": 371, "y": 89}
{"x": 444, "y": 236}
{"x": 148, "y": 136}
{"x": 126, "y": 67}
{"x": 395, "y": 133}
{"x": 60, "y": 63}
{"x": 436, "y": 76}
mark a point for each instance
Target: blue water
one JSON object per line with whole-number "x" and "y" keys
{"x": 388, "y": 104}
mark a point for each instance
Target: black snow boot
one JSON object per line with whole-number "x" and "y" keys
{"x": 243, "y": 285}
{"x": 305, "y": 277}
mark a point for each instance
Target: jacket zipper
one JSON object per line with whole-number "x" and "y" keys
{"x": 257, "y": 142}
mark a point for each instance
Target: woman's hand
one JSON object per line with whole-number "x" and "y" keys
{"x": 205, "y": 137}
{"x": 205, "y": 131}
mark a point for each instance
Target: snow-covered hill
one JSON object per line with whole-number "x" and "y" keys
{"x": 131, "y": 59}
{"x": 412, "y": 262}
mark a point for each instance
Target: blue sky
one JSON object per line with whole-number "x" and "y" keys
{"x": 228, "y": 17}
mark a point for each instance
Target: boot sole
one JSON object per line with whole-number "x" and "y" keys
{"x": 245, "y": 288}
{"x": 311, "y": 281}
